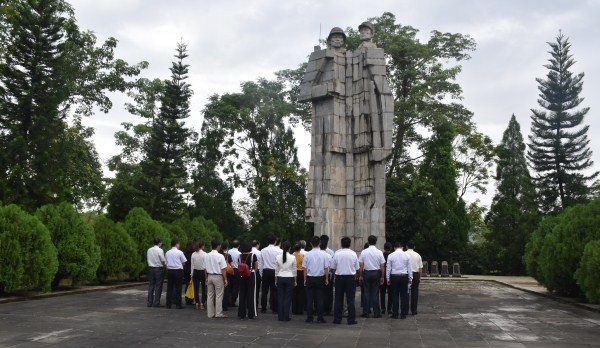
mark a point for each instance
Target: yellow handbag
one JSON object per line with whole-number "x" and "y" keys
{"x": 189, "y": 292}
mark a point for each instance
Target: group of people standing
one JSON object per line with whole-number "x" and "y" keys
{"x": 289, "y": 281}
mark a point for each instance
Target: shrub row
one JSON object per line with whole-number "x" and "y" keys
{"x": 563, "y": 253}
{"x": 38, "y": 250}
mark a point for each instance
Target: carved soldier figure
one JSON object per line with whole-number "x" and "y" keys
{"x": 370, "y": 107}
{"x": 324, "y": 85}
{"x": 351, "y": 136}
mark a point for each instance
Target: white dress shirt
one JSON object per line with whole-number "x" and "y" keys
{"x": 287, "y": 269}
{"x": 269, "y": 256}
{"x": 235, "y": 256}
{"x": 198, "y": 258}
{"x": 315, "y": 262}
{"x": 372, "y": 258}
{"x": 398, "y": 263}
{"x": 175, "y": 258}
{"x": 214, "y": 262}
{"x": 415, "y": 260}
{"x": 156, "y": 257}
{"x": 303, "y": 252}
{"x": 345, "y": 262}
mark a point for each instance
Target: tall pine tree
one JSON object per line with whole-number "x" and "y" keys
{"x": 513, "y": 214}
{"x": 167, "y": 151}
{"x": 51, "y": 74}
{"x": 558, "y": 144}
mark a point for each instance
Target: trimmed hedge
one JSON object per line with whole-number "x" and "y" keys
{"x": 588, "y": 273}
{"x": 78, "y": 254}
{"x": 118, "y": 250}
{"x": 555, "y": 250}
{"x": 143, "y": 229}
{"x": 28, "y": 257}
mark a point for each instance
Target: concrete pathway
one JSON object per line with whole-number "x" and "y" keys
{"x": 451, "y": 314}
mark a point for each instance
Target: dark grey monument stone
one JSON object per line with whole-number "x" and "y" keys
{"x": 425, "y": 269}
{"x": 445, "y": 272}
{"x": 456, "y": 270}
{"x": 434, "y": 269}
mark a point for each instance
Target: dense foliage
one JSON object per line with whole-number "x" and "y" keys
{"x": 143, "y": 229}
{"x": 555, "y": 251}
{"x": 118, "y": 250}
{"x": 513, "y": 214}
{"x": 27, "y": 255}
{"x": 587, "y": 274}
{"x": 78, "y": 254}
{"x": 173, "y": 182}
{"x": 52, "y": 74}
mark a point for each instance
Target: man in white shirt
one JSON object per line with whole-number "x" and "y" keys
{"x": 399, "y": 276}
{"x": 316, "y": 273}
{"x": 372, "y": 265}
{"x": 156, "y": 263}
{"x": 267, "y": 269}
{"x": 345, "y": 264}
{"x": 175, "y": 261}
{"x": 417, "y": 268}
{"x": 329, "y": 288}
{"x": 216, "y": 282}
{"x": 234, "y": 286}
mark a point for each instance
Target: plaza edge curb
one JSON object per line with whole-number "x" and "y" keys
{"x": 68, "y": 292}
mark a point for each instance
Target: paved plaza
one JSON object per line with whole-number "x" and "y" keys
{"x": 451, "y": 314}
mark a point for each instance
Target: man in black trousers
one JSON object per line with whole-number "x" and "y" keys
{"x": 316, "y": 274}
{"x": 175, "y": 261}
{"x": 345, "y": 264}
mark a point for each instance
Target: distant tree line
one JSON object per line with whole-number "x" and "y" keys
{"x": 176, "y": 181}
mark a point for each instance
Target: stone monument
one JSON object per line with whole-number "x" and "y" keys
{"x": 351, "y": 137}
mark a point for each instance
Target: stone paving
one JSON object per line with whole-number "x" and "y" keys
{"x": 451, "y": 314}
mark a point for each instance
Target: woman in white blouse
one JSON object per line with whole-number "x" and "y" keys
{"x": 285, "y": 271}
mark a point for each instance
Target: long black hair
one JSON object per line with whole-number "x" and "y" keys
{"x": 285, "y": 246}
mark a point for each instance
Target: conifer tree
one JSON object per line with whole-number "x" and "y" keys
{"x": 51, "y": 74}
{"x": 167, "y": 152}
{"x": 558, "y": 145}
{"x": 513, "y": 215}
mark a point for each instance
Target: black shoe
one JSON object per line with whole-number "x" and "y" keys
{"x": 354, "y": 322}
{"x": 415, "y": 313}
{"x": 394, "y": 316}
{"x": 321, "y": 321}
{"x": 337, "y": 321}
{"x": 158, "y": 305}
{"x": 403, "y": 317}
{"x": 308, "y": 320}
{"x": 377, "y": 316}
{"x": 168, "y": 306}
{"x": 383, "y": 311}
{"x": 179, "y": 307}
{"x": 364, "y": 315}
{"x": 263, "y": 310}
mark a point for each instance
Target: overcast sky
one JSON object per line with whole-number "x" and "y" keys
{"x": 234, "y": 41}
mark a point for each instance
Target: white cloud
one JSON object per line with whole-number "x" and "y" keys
{"x": 238, "y": 40}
